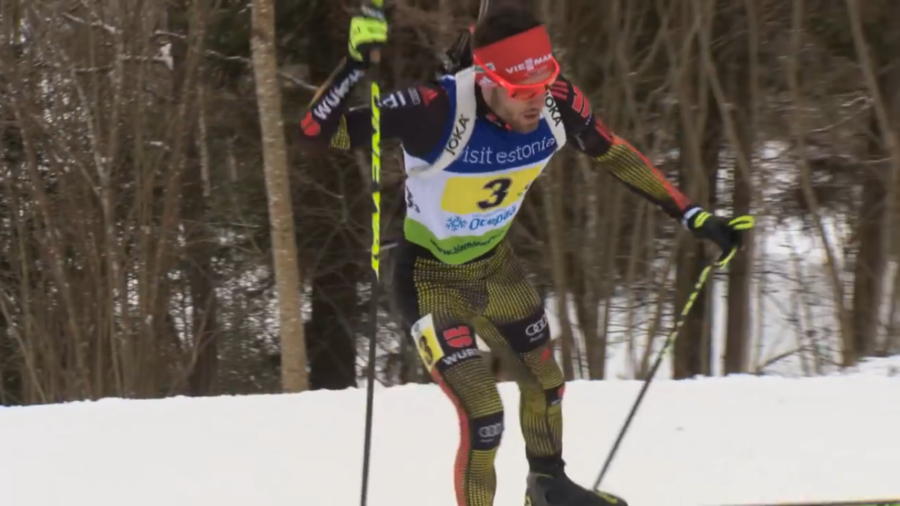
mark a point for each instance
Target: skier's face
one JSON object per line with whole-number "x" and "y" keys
{"x": 518, "y": 71}
{"x": 522, "y": 113}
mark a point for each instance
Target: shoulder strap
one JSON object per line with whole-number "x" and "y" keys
{"x": 554, "y": 120}
{"x": 463, "y": 125}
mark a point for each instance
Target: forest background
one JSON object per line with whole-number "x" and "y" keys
{"x": 152, "y": 185}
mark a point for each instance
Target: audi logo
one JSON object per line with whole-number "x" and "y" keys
{"x": 536, "y": 328}
{"x": 491, "y": 431}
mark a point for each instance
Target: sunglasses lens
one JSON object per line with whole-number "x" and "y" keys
{"x": 527, "y": 93}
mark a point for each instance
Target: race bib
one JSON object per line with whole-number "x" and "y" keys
{"x": 480, "y": 194}
{"x": 426, "y": 341}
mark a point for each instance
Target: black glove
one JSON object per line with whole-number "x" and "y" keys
{"x": 727, "y": 234}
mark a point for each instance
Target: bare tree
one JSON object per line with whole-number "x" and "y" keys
{"x": 137, "y": 258}
{"x": 281, "y": 217}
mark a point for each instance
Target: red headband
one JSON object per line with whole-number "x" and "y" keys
{"x": 519, "y": 57}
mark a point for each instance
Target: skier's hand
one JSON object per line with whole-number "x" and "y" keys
{"x": 368, "y": 32}
{"x": 727, "y": 234}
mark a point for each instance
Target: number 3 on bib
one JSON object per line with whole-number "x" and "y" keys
{"x": 467, "y": 194}
{"x": 500, "y": 189}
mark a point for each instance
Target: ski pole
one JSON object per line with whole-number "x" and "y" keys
{"x": 671, "y": 339}
{"x": 375, "y": 102}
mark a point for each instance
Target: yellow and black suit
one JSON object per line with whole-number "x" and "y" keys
{"x": 447, "y": 304}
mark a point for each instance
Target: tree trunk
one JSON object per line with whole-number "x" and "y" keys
{"x": 553, "y": 198}
{"x": 294, "y": 376}
{"x": 869, "y": 267}
{"x": 743, "y": 74}
{"x": 589, "y": 300}
{"x": 693, "y": 347}
{"x": 331, "y": 340}
{"x": 737, "y": 337}
{"x": 798, "y": 130}
{"x": 204, "y": 360}
{"x": 700, "y": 143}
{"x": 876, "y": 43}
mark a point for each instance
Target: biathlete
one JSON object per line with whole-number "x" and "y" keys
{"x": 473, "y": 143}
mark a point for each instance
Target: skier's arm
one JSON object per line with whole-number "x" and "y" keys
{"x": 416, "y": 116}
{"x": 615, "y": 154}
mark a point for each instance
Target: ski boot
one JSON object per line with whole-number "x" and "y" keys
{"x": 554, "y": 488}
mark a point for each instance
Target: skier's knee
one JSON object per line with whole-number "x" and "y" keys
{"x": 528, "y": 334}
{"x": 486, "y": 432}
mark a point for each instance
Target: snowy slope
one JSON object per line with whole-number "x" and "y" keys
{"x": 697, "y": 442}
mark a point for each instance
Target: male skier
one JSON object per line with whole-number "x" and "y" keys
{"x": 485, "y": 133}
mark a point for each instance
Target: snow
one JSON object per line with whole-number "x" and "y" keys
{"x": 706, "y": 441}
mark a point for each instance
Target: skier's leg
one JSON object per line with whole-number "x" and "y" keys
{"x": 520, "y": 334}
{"x": 456, "y": 365}
{"x": 516, "y": 329}
{"x": 437, "y": 301}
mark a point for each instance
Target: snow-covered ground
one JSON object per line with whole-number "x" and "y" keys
{"x": 695, "y": 442}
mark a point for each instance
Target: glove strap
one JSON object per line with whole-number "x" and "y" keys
{"x": 372, "y": 11}
{"x": 694, "y": 211}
